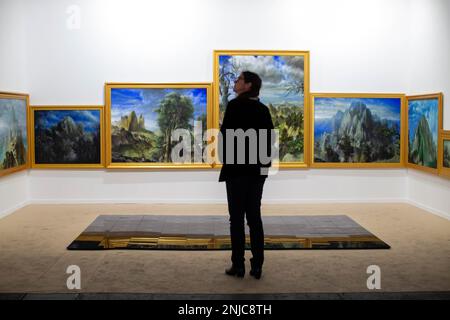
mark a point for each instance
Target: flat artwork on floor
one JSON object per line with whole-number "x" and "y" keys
{"x": 170, "y": 232}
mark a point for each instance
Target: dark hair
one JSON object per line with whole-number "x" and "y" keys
{"x": 256, "y": 82}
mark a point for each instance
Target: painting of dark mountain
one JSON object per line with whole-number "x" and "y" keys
{"x": 67, "y": 136}
{"x": 423, "y": 132}
{"x": 13, "y": 133}
{"x": 357, "y": 130}
{"x": 446, "y": 154}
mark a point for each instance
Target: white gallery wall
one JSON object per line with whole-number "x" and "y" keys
{"x": 13, "y": 77}
{"x": 378, "y": 46}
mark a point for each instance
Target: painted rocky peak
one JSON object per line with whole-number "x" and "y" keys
{"x": 423, "y": 149}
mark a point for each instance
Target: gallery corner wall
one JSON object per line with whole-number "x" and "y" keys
{"x": 428, "y": 70}
{"x": 14, "y": 191}
{"x": 429, "y": 192}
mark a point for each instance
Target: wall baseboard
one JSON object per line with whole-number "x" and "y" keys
{"x": 439, "y": 213}
{"x": 129, "y": 201}
{"x": 8, "y": 211}
{"x": 212, "y": 201}
{"x": 330, "y": 201}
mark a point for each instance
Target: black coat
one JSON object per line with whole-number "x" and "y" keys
{"x": 245, "y": 113}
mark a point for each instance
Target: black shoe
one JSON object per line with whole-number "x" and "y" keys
{"x": 256, "y": 272}
{"x": 235, "y": 271}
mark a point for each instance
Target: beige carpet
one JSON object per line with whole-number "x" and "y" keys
{"x": 34, "y": 258}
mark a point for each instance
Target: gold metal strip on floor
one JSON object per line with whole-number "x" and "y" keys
{"x": 167, "y": 241}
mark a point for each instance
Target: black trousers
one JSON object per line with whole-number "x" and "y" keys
{"x": 244, "y": 200}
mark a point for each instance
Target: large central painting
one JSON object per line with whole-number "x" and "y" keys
{"x": 13, "y": 132}
{"x": 357, "y": 130}
{"x": 142, "y": 120}
{"x": 285, "y": 90}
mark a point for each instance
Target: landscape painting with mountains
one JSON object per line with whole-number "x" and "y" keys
{"x": 67, "y": 137}
{"x": 282, "y": 91}
{"x": 423, "y": 128}
{"x": 446, "y": 154}
{"x": 13, "y": 133}
{"x": 357, "y": 130}
{"x": 143, "y": 120}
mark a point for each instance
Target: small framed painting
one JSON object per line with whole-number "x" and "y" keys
{"x": 424, "y": 122}
{"x": 67, "y": 137}
{"x": 444, "y": 154}
{"x": 14, "y": 135}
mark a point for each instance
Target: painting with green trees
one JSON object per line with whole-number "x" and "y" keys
{"x": 423, "y": 128}
{"x": 446, "y": 154}
{"x": 13, "y": 133}
{"x": 143, "y": 120}
{"x": 357, "y": 130}
{"x": 283, "y": 82}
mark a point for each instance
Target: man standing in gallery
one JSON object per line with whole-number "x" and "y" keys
{"x": 245, "y": 149}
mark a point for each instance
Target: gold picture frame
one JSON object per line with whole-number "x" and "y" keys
{"x": 305, "y": 88}
{"x": 444, "y": 170}
{"x": 346, "y": 98}
{"x": 26, "y": 98}
{"x": 439, "y": 97}
{"x": 75, "y": 165}
{"x": 110, "y": 164}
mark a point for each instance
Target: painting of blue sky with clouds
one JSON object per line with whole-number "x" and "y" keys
{"x": 13, "y": 133}
{"x": 143, "y": 120}
{"x": 423, "y": 128}
{"x": 357, "y": 130}
{"x": 282, "y": 91}
{"x": 67, "y": 136}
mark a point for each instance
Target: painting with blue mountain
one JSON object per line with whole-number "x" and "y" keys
{"x": 67, "y": 136}
{"x": 13, "y": 133}
{"x": 357, "y": 130}
{"x": 423, "y": 128}
{"x": 143, "y": 120}
{"x": 282, "y": 90}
